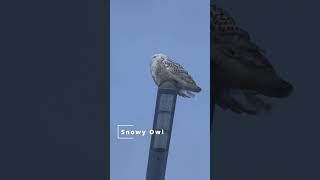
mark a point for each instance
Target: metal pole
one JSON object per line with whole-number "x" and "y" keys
{"x": 163, "y": 120}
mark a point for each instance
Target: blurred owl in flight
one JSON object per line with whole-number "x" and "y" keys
{"x": 242, "y": 73}
{"x": 165, "y": 69}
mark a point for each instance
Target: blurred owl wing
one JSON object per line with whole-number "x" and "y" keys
{"x": 229, "y": 31}
{"x": 237, "y": 43}
{"x": 224, "y": 24}
{"x": 251, "y": 57}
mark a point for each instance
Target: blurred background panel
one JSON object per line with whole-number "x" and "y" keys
{"x": 284, "y": 143}
{"x": 54, "y": 90}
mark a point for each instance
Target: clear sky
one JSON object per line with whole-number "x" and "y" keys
{"x": 179, "y": 29}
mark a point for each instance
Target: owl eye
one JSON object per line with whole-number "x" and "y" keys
{"x": 154, "y": 56}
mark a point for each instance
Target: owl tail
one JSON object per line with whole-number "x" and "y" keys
{"x": 195, "y": 88}
{"x": 185, "y": 93}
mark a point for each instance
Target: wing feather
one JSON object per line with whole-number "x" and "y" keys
{"x": 177, "y": 70}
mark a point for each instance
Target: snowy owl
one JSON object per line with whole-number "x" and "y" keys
{"x": 243, "y": 72}
{"x": 165, "y": 69}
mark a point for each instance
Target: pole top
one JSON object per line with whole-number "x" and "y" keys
{"x": 168, "y": 85}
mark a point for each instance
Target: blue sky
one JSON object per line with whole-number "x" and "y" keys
{"x": 179, "y": 29}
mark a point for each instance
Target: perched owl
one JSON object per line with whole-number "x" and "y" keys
{"x": 243, "y": 74}
{"x": 165, "y": 69}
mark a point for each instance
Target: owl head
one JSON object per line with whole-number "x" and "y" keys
{"x": 157, "y": 57}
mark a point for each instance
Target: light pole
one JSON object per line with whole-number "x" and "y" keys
{"x": 163, "y": 120}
